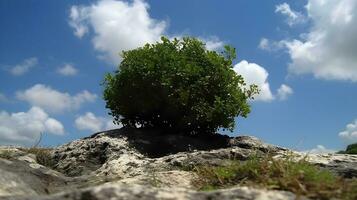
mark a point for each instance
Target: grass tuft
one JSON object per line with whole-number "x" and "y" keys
{"x": 6, "y": 154}
{"x": 43, "y": 155}
{"x": 299, "y": 177}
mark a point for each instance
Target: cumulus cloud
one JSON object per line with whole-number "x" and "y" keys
{"x": 93, "y": 123}
{"x": 121, "y": 25}
{"x": 89, "y": 122}
{"x": 255, "y": 74}
{"x": 320, "y": 149}
{"x": 117, "y": 26}
{"x": 258, "y": 75}
{"x": 23, "y": 67}
{"x": 25, "y": 127}
{"x": 284, "y": 92}
{"x": 67, "y": 70}
{"x": 328, "y": 49}
{"x": 54, "y": 101}
{"x": 350, "y": 133}
{"x": 293, "y": 17}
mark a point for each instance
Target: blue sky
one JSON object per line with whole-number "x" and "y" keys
{"x": 302, "y": 54}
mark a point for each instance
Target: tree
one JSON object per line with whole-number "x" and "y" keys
{"x": 351, "y": 149}
{"x": 177, "y": 85}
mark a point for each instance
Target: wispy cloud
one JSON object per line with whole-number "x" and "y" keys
{"x": 293, "y": 17}
{"x": 24, "y": 66}
{"x": 320, "y": 149}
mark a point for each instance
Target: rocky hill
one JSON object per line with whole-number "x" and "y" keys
{"x": 135, "y": 164}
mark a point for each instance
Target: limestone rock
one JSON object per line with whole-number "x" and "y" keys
{"x": 135, "y": 192}
{"x": 23, "y": 176}
{"x": 129, "y": 152}
{"x": 344, "y": 165}
{"x": 135, "y": 164}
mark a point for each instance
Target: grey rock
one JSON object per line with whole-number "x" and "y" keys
{"x": 135, "y": 164}
{"x": 344, "y": 165}
{"x": 135, "y": 192}
{"x": 23, "y": 177}
{"x": 127, "y": 152}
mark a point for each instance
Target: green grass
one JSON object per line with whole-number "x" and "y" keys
{"x": 299, "y": 177}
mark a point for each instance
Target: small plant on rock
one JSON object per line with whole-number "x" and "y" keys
{"x": 43, "y": 154}
{"x": 5, "y": 153}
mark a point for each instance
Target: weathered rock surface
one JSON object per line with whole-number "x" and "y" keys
{"x": 134, "y": 192}
{"x": 344, "y": 165}
{"x": 20, "y": 174}
{"x": 128, "y": 152}
{"x": 136, "y": 164}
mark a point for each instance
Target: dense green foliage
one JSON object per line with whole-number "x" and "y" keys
{"x": 177, "y": 85}
{"x": 299, "y": 177}
{"x": 351, "y": 149}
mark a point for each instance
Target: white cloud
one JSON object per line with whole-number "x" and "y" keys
{"x": 293, "y": 17}
{"x": 255, "y": 74}
{"x": 67, "y": 70}
{"x": 89, "y": 122}
{"x": 23, "y": 67}
{"x": 78, "y": 16}
{"x": 258, "y": 75}
{"x": 284, "y": 92}
{"x": 25, "y": 127}
{"x": 328, "y": 50}
{"x": 93, "y": 123}
{"x": 52, "y": 100}
{"x": 264, "y": 44}
{"x": 120, "y": 26}
{"x": 110, "y": 125}
{"x": 320, "y": 149}
{"x": 213, "y": 43}
{"x": 269, "y": 45}
{"x": 54, "y": 126}
{"x": 117, "y": 26}
{"x": 350, "y": 133}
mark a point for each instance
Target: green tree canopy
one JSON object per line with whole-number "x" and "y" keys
{"x": 177, "y": 85}
{"x": 351, "y": 149}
